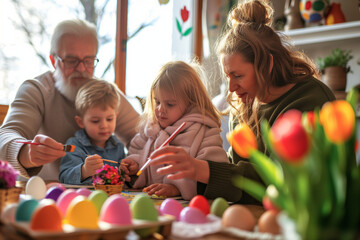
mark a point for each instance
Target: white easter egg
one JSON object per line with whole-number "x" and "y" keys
{"x": 36, "y": 187}
{"x": 9, "y": 212}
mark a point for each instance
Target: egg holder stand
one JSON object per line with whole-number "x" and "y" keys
{"x": 105, "y": 231}
{"x": 190, "y": 230}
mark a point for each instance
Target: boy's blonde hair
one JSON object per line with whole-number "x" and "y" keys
{"x": 184, "y": 81}
{"x": 97, "y": 93}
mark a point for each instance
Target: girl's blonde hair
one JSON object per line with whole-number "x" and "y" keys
{"x": 250, "y": 34}
{"x": 97, "y": 93}
{"x": 184, "y": 81}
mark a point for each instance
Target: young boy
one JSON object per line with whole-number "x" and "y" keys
{"x": 96, "y": 106}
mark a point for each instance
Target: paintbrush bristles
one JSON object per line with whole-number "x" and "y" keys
{"x": 69, "y": 148}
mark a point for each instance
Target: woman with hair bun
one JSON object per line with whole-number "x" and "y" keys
{"x": 266, "y": 77}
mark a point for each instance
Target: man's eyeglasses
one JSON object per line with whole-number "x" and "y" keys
{"x": 73, "y": 62}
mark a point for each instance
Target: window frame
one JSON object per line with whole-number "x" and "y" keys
{"x": 121, "y": 40}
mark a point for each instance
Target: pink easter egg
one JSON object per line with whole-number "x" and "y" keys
{"x": 55, "y": 184}
{"x": 171, "y": 207}
{"x": 116, "y": 210}
{"x": 192, "y": 215}
{"x": 65, "y": 199}
{"x": 84, "y": 192}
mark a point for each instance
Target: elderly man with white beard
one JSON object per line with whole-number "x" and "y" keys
{"x": 43, "y": 110}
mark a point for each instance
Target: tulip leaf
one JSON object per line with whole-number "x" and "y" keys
{"x": 178, "y": 26}
{"x": 267, "y": 169}
{"x": 187, "y": 32}
{"x": 253, "y": 188}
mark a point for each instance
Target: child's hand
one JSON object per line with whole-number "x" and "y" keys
{"x": 92, "y": 163}
{"x": 161, "y": 189}
{"x": 129, "y": 166}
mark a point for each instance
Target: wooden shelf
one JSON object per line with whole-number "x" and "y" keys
{"x": 329, "y": 33}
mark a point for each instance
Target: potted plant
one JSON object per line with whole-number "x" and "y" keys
{"x": 9, "y": 193}
{"x": 109, "y": 179}
{"x": 334, "y": 68}
{"x": 311, "y": 172}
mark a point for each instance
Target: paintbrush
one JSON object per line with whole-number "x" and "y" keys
{"x": 66, "y": 148}
{"x": 162, "y": 145}
{"x": 107, "y": 160}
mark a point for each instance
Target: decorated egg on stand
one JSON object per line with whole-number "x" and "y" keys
{"x": 313, "y": 11}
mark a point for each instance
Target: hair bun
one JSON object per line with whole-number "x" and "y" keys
{"x": 258, "y": 12}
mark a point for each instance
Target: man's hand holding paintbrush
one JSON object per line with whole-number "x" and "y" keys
{"x": 39, "y": 151}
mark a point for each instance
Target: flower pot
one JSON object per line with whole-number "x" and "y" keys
{"x": 9, "y": 195}
{"x": 109, "y": 189}
{"x": 335, "y": 78}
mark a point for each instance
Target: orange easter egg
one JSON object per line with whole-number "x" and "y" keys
{"x": 47, "y": 218}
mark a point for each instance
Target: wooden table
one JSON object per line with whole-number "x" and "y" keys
{"x": 9, "y": 232}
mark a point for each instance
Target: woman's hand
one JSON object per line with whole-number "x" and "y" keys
{"x": 161, "y": 189}
{"x": 92, "y": 163}
{"x": 179, "y": 164}
{"x": 37, "y": 155}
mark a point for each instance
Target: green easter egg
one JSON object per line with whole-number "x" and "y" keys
{"x": 143, "y": 208}
{"x": 219, "y": 206}
{"x": 98, "y": 197}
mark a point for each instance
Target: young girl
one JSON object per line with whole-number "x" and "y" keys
{"x": 97, "y": 105}
{"x": 177, "y": 95}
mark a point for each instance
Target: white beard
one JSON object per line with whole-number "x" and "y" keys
{"x": 65, "y": 87}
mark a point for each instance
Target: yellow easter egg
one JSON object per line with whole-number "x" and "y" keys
{"x": 82, "y": 213}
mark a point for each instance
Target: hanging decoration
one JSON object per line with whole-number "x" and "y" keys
{"x": 184, "y": 17}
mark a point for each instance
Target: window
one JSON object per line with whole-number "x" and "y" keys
{"x": 158, "y": 42}
{"x": 26, "y": 28}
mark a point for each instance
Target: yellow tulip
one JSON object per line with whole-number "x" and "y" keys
{"x": 243, "y": 140}
{"x": 338, "y": 119}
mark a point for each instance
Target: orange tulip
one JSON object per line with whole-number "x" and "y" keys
{"x": 338, "y": 119}
{"x": 289, "y": 137}
{"x": 243, "y": 140}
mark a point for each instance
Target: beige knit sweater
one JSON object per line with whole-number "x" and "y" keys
{"x": 39, "y": 108}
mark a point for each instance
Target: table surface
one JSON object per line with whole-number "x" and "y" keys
{"x": 9, "y": 232}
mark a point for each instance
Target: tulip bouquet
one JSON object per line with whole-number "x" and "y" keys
{"x": 311, "y": 171}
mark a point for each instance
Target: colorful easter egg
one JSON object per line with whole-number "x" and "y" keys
{"x": 47, "y": 218}
{"x": 98, "y": 197}
{"x": 82, "y": 213}
{"x": 55, "y": 184}
{"x": 171, "y": 207}
{"x": 116, "y": 210}
{"x": 84, "y": 191}
{"x": 143, "y": 208}
{"x": 192, "y": 215}
{"x": 219, "y": 206}
{"x": 238, "y": 216}
{"x": 9, "y": 212}
{"x": 36, "y": 187}
{"x": 313, "y": 11}
{"x": 53, "y": 193}
{"x": 200, "y": 202}
{"x": 65, "y": 199}
{"x": 25, "y": 210}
